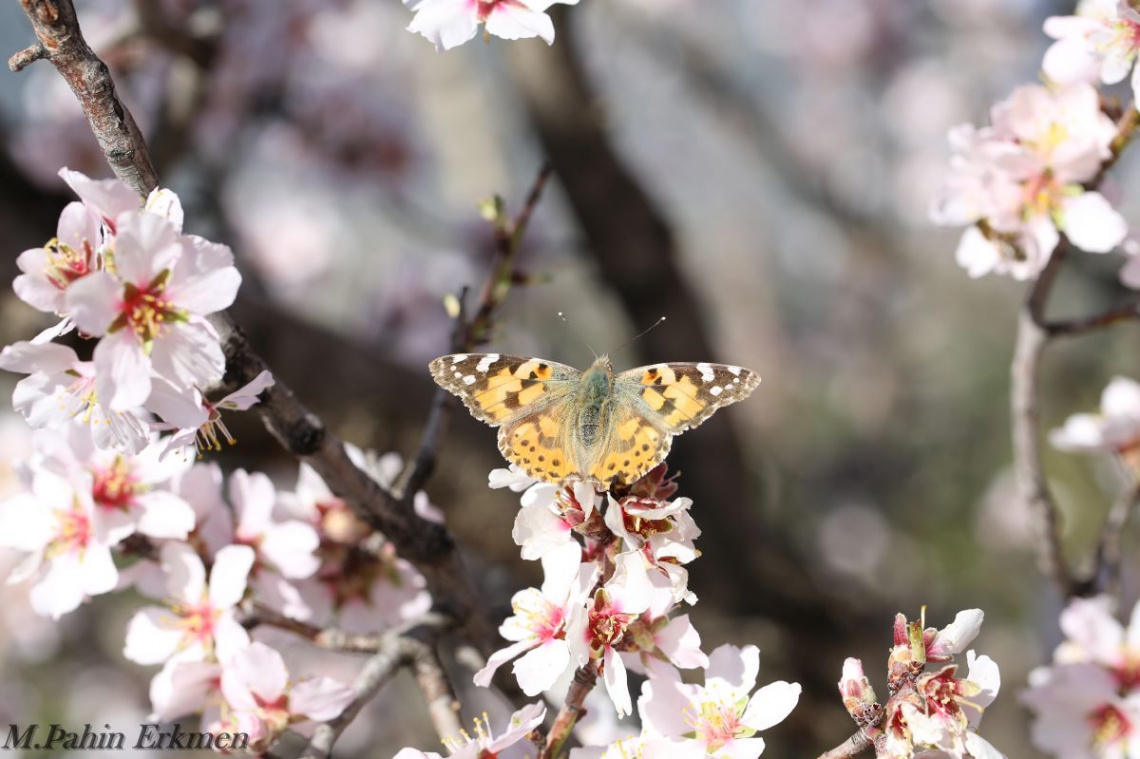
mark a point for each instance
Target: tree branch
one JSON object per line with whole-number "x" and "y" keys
{"x": 467, "y": 335}
{"x": 853, "y": 746}
{"x": 585, "y": 678}
{"x": 1105, "y": 574}
{"x": 1088, "y": 324}
{"x": 57, "y": 29}
{"x": 1032, "y": 337}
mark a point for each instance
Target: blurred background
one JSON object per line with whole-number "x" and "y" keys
{"x": 757, "y": 171}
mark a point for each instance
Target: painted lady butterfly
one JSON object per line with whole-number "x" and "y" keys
{"x": 560, "y": 424}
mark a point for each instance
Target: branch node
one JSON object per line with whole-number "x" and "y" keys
{"x": 27, "y": 57}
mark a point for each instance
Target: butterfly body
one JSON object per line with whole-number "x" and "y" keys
{"x": 560, "y": 424}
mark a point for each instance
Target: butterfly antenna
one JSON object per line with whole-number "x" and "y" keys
{"x": 640, "y": 335}
{"x": 576, "y": 334}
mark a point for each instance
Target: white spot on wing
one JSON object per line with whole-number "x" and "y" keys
{"x": 735, "y": 370}
{"x": 716, "y": 391}
{"x": 706, "y": 371}
{"x": 469, "y": 380}
{"x": 458, "y": 357}
{"x": 485, "y": 362}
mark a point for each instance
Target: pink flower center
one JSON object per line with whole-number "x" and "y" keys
{"x": 716, "y": 722}
{"x": 116, "y": 486}
{"x": 1109, "y": 725}
{"x": 73, "y": 531}
{"x": 147, "y": 311}
{"x": 66, "y": 264}
{"x": 607, "y": 625}
{"x": 487, "y": 7}
{"x": 198, "y": 621}
{"x": 1041, "y": 195}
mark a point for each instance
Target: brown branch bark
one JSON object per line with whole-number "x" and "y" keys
{"x": 853, "y": 746}
{"x": 572, "y": 710}
{"x": 57, "y": 30}
{"x": 1105, "y": 574}
{"x": 1076, "y": 327}
{"x": 1032, "y": 337}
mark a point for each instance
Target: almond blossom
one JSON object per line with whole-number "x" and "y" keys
{"x": 598, "y": 631}
{"x": 538, "y": 626}
{"x": 1081, "y": 714}
{"x": 1020, "y": 183}
{"x": 150, "y": 312}
{"x": 1116, "y": 429}
{"x": 721, "y": 717}
{"x": 73, "y": 253}
{"x": 60, "y": 391}
{"x": 483, "y": 743}
{"x": 68, "y": 547}
{"x": 361, "y": 590}
{"x": 130, "y": 487}
{"x": 199, "y": 622}
{"x": 199, "y": 426}
{"x": 1099, "y": 43}
{"x": 450, "y": 23}
{"x": 255, "y": 681}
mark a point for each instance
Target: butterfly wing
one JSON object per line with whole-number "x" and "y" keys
{"x": 656, "y": 402}
{"x": 498, "y": 389}
{"x": 680, "y": 396}
{"x": 634, "y": 445}
{"x": 527, "y": 398}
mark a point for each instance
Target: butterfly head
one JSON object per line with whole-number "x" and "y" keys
{"x": 603, "y": 362}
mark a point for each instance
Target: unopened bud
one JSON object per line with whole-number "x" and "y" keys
{"x": 855, "y": 687}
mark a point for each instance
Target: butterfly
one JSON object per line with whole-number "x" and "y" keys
{"x": 559, "y": 424}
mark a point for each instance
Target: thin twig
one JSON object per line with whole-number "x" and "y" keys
{"x": 377, "y": 671}
{"x": 57, "y": 29}
{"x": 573, "y": 709}
{"x": 1032, "y": 337}
{"x": 1088, "y": 324}
{"x": 1105, "y": 574}
{"x": 467, "y": 335}
{"x": 442, "y": 703}
{"x": 853, "y": 746}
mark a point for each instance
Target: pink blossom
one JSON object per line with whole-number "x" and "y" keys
{"x": 198, "y": 426}
{"x": 60, "y": 391}
{"x": 1080, "y": 713}
{"x": 598, "y": 631}
{"x": 722, "y": 716}
{"x": 1021, "y": 181}
{"x": 538, "y": 625}
{"x": 1099, "y": 43}
{"x": 72, "y": 254}
{"x": 484, "y": 743}
{"x": 151, "y": 311}
{"x": 450, "y": 23}
{"x": 68, "y": 548}
{"x": 285, "y": 546}
{"x": 199, "y": 622}
{"x": 256, "y": 681}
{"x": 1116, "y": 429}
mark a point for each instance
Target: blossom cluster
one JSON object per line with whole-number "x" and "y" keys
{"x": 931, "y": 711}
{"x": 123, "y": 271}
{"x": 1087, "y": 703}
{"x": 112, "y": 498}
{"x": 1031, "y": 175}
{"x": 614, "y": 577}
{"x": 209, "y": 553}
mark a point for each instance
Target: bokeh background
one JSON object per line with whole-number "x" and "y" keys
{"x": 758, "y": 171}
